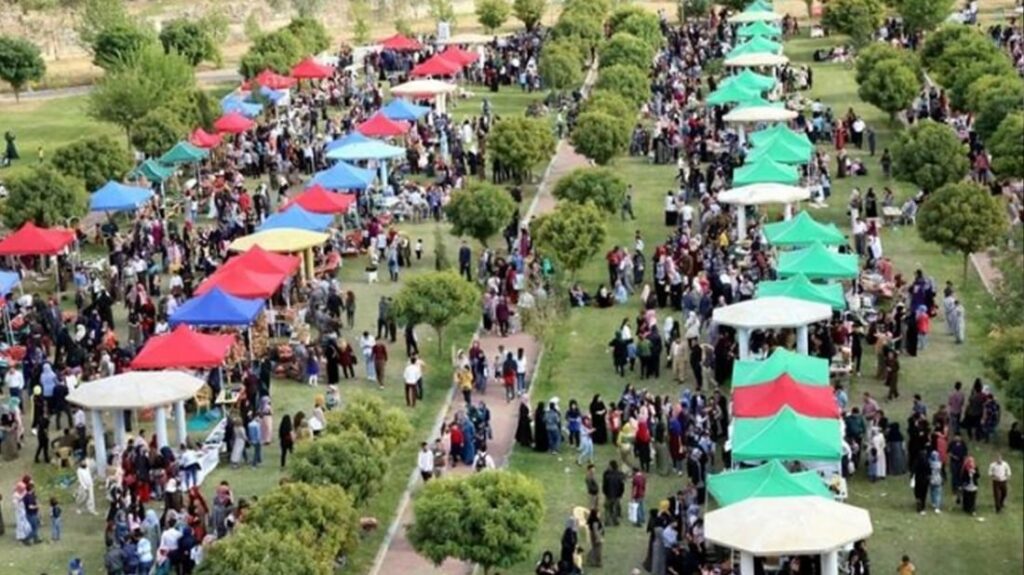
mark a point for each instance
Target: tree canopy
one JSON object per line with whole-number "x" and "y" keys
{"x": 491, "y": 13}
{"x": 158, "y": 131}
{"x": 119, "y": 45}
{"x": 436, "y": 298}
{"x": 94, "y": 160}
{"x": 529, "y": 12}
{"x": 347, "y": 458}
{"x": 520, "y": 143}
{"x": 993, "y": 98}
{"x": 584, "y": 29}
{"x": 871, "y": 55}
{"x": 858, "y": 19}
{"x": 930, "y": 155}
{"x": 311, "y": 34}
{"x": 190, "y": 39}
{"x": 479, "y": 211}
{"x": 571, "y": 235}
{"x": 641, "y": 24}
{"x": 261, "y": 552}
{"x": 45, "y": 197}
{"x": 599, "y": 136}
{"x": 627, "y": 50}
{"x": 923, "y": 15}
{"x": 277, "y": 51}
{"x": 388, "y": 426}
{"x": 322, "y": 517}
{"x": 612, "y": 104}
{"x": 958, "y": 59}
{"x": 1004, "y": 360}
{"x": 601, "y": 186}
{"x": 629, "y": 82}
{"x": 20, "y": 63}
{"x": 891, "y": 86}
{"x": 1007, "y": 147}
{"x": 560, "y": 66}
{"x": 963, "y": 217}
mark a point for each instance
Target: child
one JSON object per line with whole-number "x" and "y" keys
{"x": 313, "y": 367}
{"x": 873, "y": 465}
{"x": 55, "y": 519}
{"x": 419, "y": 248}
{"x": 332, "y": 397}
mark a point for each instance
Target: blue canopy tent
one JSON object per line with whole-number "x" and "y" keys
{"x": 369, "y": 150}
{"x": 343, "y": 176}
{"x": 402, "y": 110}
{"x": 117, "y": 197}
{"x": 296, "y": 217}
{"x": 274, "y": 96}
{"x": 216, "y": 308}
{"x": 347, "y": 139}
{"x": 235, "y": 103}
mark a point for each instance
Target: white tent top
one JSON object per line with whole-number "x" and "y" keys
{"x": 136, "y": 390}
{"x": 759, "y": 114}
{"x": 757, "y": 194}
{"x": 423, "y": 88}
{"x": 754, "y": 60}
{"x": 472, "y": 38}
{"x": 771, "y": 312}
{"x": 771, "y": 526}
{"x": 755, "y": 16}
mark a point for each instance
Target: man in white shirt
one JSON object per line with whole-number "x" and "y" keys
{"x": 425, "y": 462}
{"x": 15, "y": 383}
{"x": 411, "y": 376}
{"x": 1000, "y": 473}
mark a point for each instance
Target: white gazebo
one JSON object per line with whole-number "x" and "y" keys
{"x": 761, "y": 194}
{"x": 756, "y": 60}
{"x": 131, "y": 391}
{"x": 778, "y": 312}
{"x": 426, "y": 89}
{"x": 776, "y": 526}
{"x": 747, "y": 114}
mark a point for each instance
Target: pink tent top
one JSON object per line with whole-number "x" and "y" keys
{"x": 767, "y": 399}
{"x": 381, "y": 125}
{"x": 184, "y": 348}
{"x": 320, "y": 200}
{"x": 310, "y": 68}
{"x": 233, "y": 123}
{"x": 459, "y": 56}
{"x": 259, "y": 260}
{"x": 200, "y": 138}
{"x": 400, "y": 43}
{"x": 436, "y": 65}
{"x": 243, "y": 283}
{"x": 32, "y": 240}
{"x": 271, "y": 79}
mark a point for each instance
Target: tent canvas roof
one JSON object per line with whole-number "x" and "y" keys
{"x": 183, "y": 153}
{"x": 760, "y": 112}
{"x": 270, "y": 79}
{"x": 733, "y": 92}
{"x": 343, "y": 176}
{"x": 216, "y": 308}
{"x": 757, "y": 194}
{"x": 818, "y": 262}
{"x": 286, "y": 241}
{"x": 780, "y": 133}
{"x": 750, "y": 79}
{"x": 755, "y": 16}
{"x": 380, "y": 125}
{"x": 243, "y": 283}
{"x": 459, "y": 56}
{"x": 803, "y": 368}
{"x": 347, "y": 139}
{"x": 400, "y": 43}
{"x": 233, "y": 123}
{"x": 296, "y": 217}
{"x": 136, "y": 390}
{"x": 402, "y": 110}
{"x": 368, "y": 150}
{"x": 310, "y": 68}
{"x": 787, "y": 436}
{"x": 759, "y": 28}
{"x": 259, "y": 260}
{"x": 8, "y": 281}
{"x": 117, "y": 197}
{"x": 756, "y": 45}
{"x": 803, "y": 230}
{"x": 184, "y": 348}
{"x": 436, "y": 65}
{"x": 319, "y": 200}
{"x": 765, "y": 171}
{"x": 237, "y": 103}
{"x": 799, "y": 287}
{"x": 768, "y": 399}
{"x": 757, "y": 60}
{"x": 152, "y": 171}
{"x": 782, "y": 152}
{"x": 200, "y": 138}
{"x": 768, "y": 480}
{"x": 771, "y": 312}
{"x": 32, "y": 240}
{"x": 421, "y": 88}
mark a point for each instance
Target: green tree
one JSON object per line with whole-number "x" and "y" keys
{"x": 621, "y": 13}
{"x": 629, "y": 82}
{"x": 436, "y": 299}
{"x": 612, "y": 104}
{"x": 599, "y": 136}
{"x": 94, "y": 160}
{"x": 930, "y": 155}
{"x": 643, "y": 25}
{"x": 560, "y": 66}
{"x": 322, "y": 517}
{"x": 1004, "y": 359}
{"x": 488, "y": 518}
{"x": 359, "y": 10}
{"x": 624, "y": 49}
{"x": 871, "y": 55}
{"x": 97, "y": 16}
{"x": 45, "y": 197}
{"x": 195, "y": 108}
{"x": 441, "y": 260}
{"x": 964, "y": 61}
{"x": 119, "y": 45}
{"x": 858, "y": 19}
{"x": 585, "y": 31}
{"x": 891, "y": 86}
{"x": 602, "y": 186}
{"x": 158, "y": 131}
{"x": 571, "y": 235}
{"x": 492, "y": 13}
{"x": 441, "y": 11}
{"x": 252, "y": 27}
{"x": 520, "y": 143}
{"x": 962, "y": 217}
{"x": 347, "y": 458}
{"x": 479, "y": 211}
{"x": 1007, "y": 147}
{"x": 936, "y": 43}
{"x": 189, "y": 39}
{"x": 529, "y": 12}
{"x": 277, "y": 51}
{"x": 389, "y": 427}
{"x": 262, "y": 552}
{"x": 20, "y": 63}
{"x": 308, "y": 9}
{"x": 993, "y": 98}
{"x": 311, "y": 34}
{"x": 923, "y": 15}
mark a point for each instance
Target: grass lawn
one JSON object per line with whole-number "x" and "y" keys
{"x": 578, "y": 365}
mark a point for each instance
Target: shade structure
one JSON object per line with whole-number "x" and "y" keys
{"x": 780, "y": 134}
{"x": 759, "y": 28}
{"x": 259, "y": 260}
{"x": 270, "y": 79}
{"x": 153, "y": 171}
{"x": 276, "y": 97}
{"x": 296, "y": 217}
{"x": 803, "y": 368}
{"x": 769, "y": 480}
{"x": 183, "y": 153}
{"x": 287, "y": 241}
{"x": 380, "y": 125}
{"x": 117, "y": 197}
{"x": 768, "y": 399}
{"x": 803, "y": 230}
{"x": 732, "y": 93}
{"x": 749, "y": 80}
{"x": 436, "y": 65}
{"x": 236, "y": 103}
{"x": 32, "y": 240}
{"x": 771, "y": 313}
{"x": 233, "y": 123}
{"x": 799, "y": 287}
{"x": 347, "y": 139}
{"x": 243, "y": 283}
{"x": 8, "y": 281}
{"x": 758, "y": 194}
{"x": 421, "y": 88}
{"x": 319, "y": 200}
{"x": 400, "y": 110}
{"x": 765, "y": 172}
{"x": 217, "y": 308}
{"x": 400, "y": 43}
{"x": 759, "y": 5}
{"x": 781, "y": 152}
{"x": 200, "y": 138}
{"x": 755, "y": 16}
{"x": 368, "y": 150}
{"x": 787, "y": 436}
{"x": 136, "y": 390}
{"x": 184, "y": 349}
{"x": 310, "y": 69}
{"x": 756, "y": 60}
{"x": 756, "y": 45}
{"x": 798, "y": 525}
{"x": 760, "y": 113}
{"x": 459, "y": 56}
{"x": 818, "y": 262}
{"x": 343, "y": 176}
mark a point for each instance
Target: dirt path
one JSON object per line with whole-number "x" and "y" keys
{"x": 987, "y": 270}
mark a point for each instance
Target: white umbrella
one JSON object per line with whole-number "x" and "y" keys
{"x": 426, "y": 89}
{"x": 746, "y": 114}
{"x": 754, "y": 60}
{"x": 754, "y": 16}
{"x": 758, "y": 194}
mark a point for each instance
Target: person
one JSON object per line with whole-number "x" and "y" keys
{"x": 858, "y": 562}
{"x": 465, "y": 261}
{"x": 596, "y": 531}
{"x": 613, "y": 486}
{"x": 922, "y": 474}
{"x": 586, "y": 442}
{"x": 906, "y": 567}
{"x": 955, "y": 405}
{"x": 598, "y": 417}
{"x": 593, "y": 490}
{"x": 411, "y": 375}
{"x": 379, "y": 354}
{"x": 286, "y": 435}
{"x": 546, "y": 566}
{"x": 569, "y": 540}
{"x": 189, "y": 464}
{"x": 553, "y": 425}
{"x": 84, "y": 494}
{"x": 425, "y": 462}
{"x": 31, "y": 504}
{"x": 969, "y": 478}
{"x": 639, "y": 491}
{"x": 252, "y": 433}
{"x": 56, "y": 520}
{"x": 524, "y": 434}
{"x": 999, "y": 471}
{"x": 22, "y": 528}
{"x": 935, "y": 480}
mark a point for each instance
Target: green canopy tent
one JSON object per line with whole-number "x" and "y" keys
{"x": 800, "y": 287}
{"x": 759, "y": 6}
{"x": 778, "y": 134}
{"x": 787, "y": 436}
{"x": 783, "y": 152}
{"x": 183, "y": 153}
{"x": 764, "y": 172}
{"x": 756, "y": 45}
{"x": 759, "y": 28}
{"x": 768, "y": 480}
{"x": 818, "y": 262}
{"x": 153, "y": 171}
{"x": 801, "y": 231}
{"x": 749, "y": 80}
{"x": 733, "y": 93}
{"x": 803, "y": 368}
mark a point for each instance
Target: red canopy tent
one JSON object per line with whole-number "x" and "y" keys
{"x": 320, "y": 200}
{"x": 459, "y": 56}
{"x": 259, "y": 260}
{"x": 381, "y": 125}
{"x": 767, "y": 399}
{"x": 311, "y": 69}
{"x": 400, "y": 43}
{"x": 436, "y": 65}
{"x": 243, "y": 283}
{"x": 233, "y": 123}
{"x": 32, "y": 240}
{"x": 184, "y": 349}
{"x": 270, "y": 79}
{"x": 200, "y": 138}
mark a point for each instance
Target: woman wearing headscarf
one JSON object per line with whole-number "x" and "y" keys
{"x": 878, "y": 444}
{"x": 935, "y": 480}
{"x": 286, "y": 435}
{"x": 468, "y": 441}
{"x": 22, "y": 528}
{"x": 969, "y": 478}
{"x": 922, "y": 474}
{"x": 540, "y": 431}
{"x": 266, "y": 420}
{"x": 895, "y": 451}
{"x": 524, "y": 434}
{"x": 569, "y": 540}
{"x": 598, "y": 413}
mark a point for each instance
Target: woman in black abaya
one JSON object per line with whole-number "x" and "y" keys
{"x": 524, "y": 434}
{"x": 540, "y": 432}
{"x": 598, "y": 417}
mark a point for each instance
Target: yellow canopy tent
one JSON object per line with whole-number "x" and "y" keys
{"x": 284, "y": 240}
